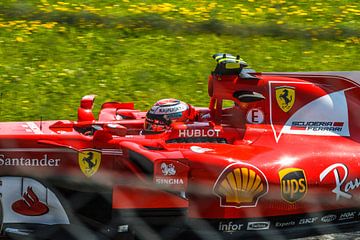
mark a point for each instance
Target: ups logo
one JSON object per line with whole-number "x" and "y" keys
{"x": 293, "y": 184}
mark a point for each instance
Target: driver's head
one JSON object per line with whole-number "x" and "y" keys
{"x": 166, "y": 111}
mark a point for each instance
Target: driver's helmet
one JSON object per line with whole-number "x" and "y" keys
{"x": 166, "y": 111}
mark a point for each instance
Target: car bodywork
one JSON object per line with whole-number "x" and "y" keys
{"x": 272, "y": 153}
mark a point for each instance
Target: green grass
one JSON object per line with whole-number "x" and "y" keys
{"x": 50, "y": 56}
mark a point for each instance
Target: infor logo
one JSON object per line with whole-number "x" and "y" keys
{"x": 293, "y": 184}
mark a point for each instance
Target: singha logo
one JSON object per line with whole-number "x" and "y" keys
{"x": 30, "y": 205}
{"x": 285, "y": 97}
{"x": 168, "y": 169}
{"x": 89, "y": 162}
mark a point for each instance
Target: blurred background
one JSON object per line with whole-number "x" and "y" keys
{"x": 53, "y": 52}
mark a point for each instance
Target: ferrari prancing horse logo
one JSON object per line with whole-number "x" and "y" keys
{"x": 285, "y": 97}
{"x": 89, "y": 162}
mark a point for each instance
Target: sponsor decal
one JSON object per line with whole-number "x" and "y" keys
{"x": 293, "y": 184}
{"x": 168, "y": 106}
{"x": 45, "y": 161}
{"x": 169, "y": 110}
{"x": 188, "y": 133}
{"x": 170, "y": 181}
{"x": 329, "y": 218}
{"x": 168, "y": 169}
{"x": 285, "y": 97}
{"x": 255, "y": 116}
{"x": 316, "y": 126}
{"x": 171, "y": 173}
{"x": 25, "y": 200}
{"x": 325, "y": 114}
{"x": 285, "y": 224}
{"x": 230, "y": 227}
{"x": 89, "y": 162}
{"x": 30, "y": 205}
{"x": 347, "y": 216}
{"x": 240, "y": 185}
{"x": 342, "y": 184}
{"x": 309, "y": 220}
{"x": 258, "y": 226}
{"x": 198, "y": 149}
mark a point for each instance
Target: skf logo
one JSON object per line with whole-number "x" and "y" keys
{"x": 293, "y": 184}
{"x": 89, "y": 162}
{"x": 240, "y": 185}
{"x": 285, "y": 97}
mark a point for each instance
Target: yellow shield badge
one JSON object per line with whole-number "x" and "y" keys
{"x": 285, "y": 97}
{"x": 89, "y": 162}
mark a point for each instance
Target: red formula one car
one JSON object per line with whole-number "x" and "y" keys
{"x": 273, "y": 153}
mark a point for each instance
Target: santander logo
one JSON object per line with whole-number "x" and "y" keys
{"x": 30, "y": 205}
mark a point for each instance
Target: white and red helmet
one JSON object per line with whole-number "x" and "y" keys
{"x": 166, "y": 111}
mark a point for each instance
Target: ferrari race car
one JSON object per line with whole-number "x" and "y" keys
{"x": 273, "y": 153}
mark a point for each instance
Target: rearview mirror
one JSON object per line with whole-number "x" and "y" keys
{"x": 248, "y": 96}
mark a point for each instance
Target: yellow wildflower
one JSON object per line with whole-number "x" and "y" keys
{"x": 20, "y": 39}
{"x": 272, "y": 10}
{"x": 62, "y": 29}
{"x": 49, "y": 25}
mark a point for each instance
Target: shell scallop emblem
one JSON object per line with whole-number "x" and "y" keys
{"x": 240, "y": 185}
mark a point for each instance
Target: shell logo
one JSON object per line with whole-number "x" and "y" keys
{"x": 240, "y": 185}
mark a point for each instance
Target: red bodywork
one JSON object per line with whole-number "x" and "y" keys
{"x": 294, "y": 150}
